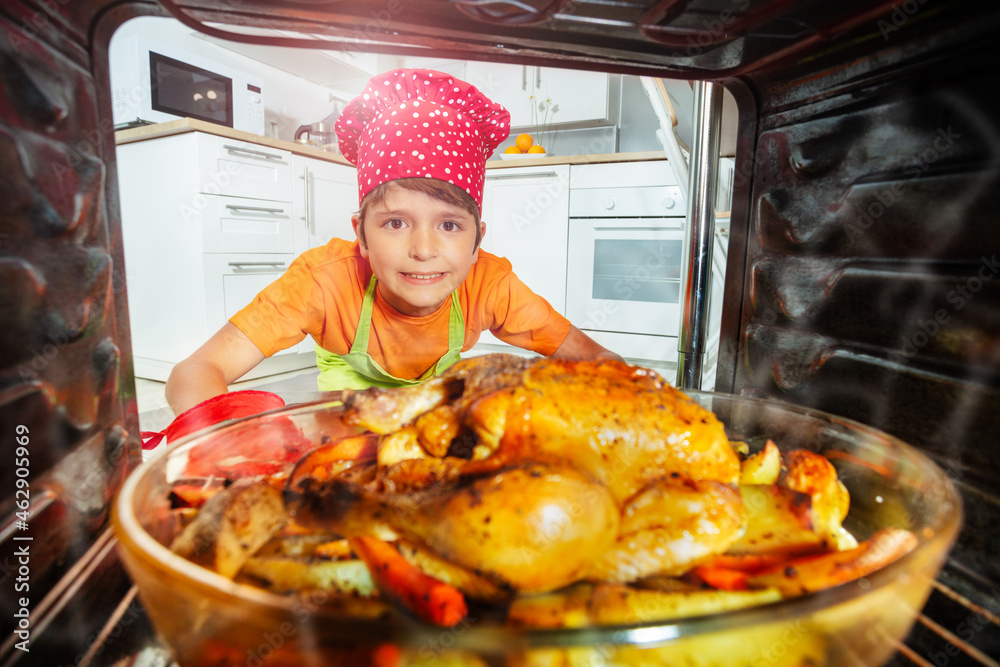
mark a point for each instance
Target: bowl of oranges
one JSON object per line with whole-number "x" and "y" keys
{"x": 524, "y": 147}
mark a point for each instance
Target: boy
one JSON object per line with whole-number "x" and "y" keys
{"x": 398, "y": 305}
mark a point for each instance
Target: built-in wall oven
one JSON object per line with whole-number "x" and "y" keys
{"x": 626, "y": 240}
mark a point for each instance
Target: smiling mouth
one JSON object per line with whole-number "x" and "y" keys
{"x": 423, "y": 276}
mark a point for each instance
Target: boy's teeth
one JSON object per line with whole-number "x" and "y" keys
{"x": 423, "y": 276}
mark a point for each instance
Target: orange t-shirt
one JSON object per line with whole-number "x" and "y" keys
{"x": 321, "y": 294}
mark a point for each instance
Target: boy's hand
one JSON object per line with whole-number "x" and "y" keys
{"x": 579, "y": 345}
{"x": 224, "y": 407}
{"x": 208, "y": 372}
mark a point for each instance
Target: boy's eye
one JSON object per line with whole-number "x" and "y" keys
{"x": 395, "y": 223}
{"x": 449, "y": 226}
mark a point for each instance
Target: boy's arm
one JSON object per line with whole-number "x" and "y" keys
{"x": 209, "y": 371}
{"x": 579, "y": 345}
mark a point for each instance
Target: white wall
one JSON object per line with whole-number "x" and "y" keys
{"x": 289, "y": 101}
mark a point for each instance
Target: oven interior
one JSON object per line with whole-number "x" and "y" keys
{"x": 861, "y": 277}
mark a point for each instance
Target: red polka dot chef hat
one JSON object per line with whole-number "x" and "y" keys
{"x": 421, "y": 123}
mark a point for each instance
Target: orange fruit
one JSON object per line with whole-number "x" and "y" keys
{"x": 513, "y": 149}
{"x": 536, "y": 149}
{"x": 524, "y": 142}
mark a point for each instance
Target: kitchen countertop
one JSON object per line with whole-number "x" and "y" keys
{"x": 184, "y": 125}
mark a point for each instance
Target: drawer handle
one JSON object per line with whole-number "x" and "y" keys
{"x": 539, "y": 174}
{"x": 240, "y": 149}
{"x": 659, "y": 228}
{"x": 261, "y": 209}
{"x": 256, "y": 265}
{"x": 308, "y": 217}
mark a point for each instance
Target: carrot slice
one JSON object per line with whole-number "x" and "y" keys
{"x": 430, "y": 599}
{"x": 386, "y": 655}
{"x": 320, "y": 463}
{"x": 756, "y": 562}
{"x": 192, "y": 495}
{"x": 722, "y": 578}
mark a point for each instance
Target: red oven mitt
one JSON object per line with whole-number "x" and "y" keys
{"x": 233, "y": 405}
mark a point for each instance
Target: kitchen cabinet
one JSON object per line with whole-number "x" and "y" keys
{"x": 207, "y": 221}
{"x": 505, "y": 84}
{"x": 526, "y": 211}
{"x": 582, "y": 96}
{"x": 325, "y": 197}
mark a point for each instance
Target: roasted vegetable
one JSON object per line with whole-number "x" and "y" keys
{"x": 762, "y": 467}
{"x": 231, "y": 526}
{"x": 284, "y": 574}
{"x": 566, "y": 493}
{"x": 430, "y": 599}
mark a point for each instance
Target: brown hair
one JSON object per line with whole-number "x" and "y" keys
{"x": 440, "y": 190}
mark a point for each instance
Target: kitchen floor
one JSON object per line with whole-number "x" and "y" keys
{"x": 155, "y": 414}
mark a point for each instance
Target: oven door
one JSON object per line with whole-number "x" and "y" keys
{"x": 624, "y": 274}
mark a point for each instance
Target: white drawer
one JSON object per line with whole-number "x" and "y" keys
{"x": 241, "y": 225}
{"x": 233, "y": 280}
{"x": 621, "y": 174}
{"x": 234, "y": 168}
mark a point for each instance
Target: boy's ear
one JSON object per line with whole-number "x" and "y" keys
{"x": 482, "y": 235}
{"x": 356, "y": 223}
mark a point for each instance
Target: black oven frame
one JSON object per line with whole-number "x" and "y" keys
{"x": 856, "y": 239}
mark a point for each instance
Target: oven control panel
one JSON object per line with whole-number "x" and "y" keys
{"x": 629, "y": 202}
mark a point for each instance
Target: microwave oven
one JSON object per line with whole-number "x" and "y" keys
{"x": 155, "y": 83}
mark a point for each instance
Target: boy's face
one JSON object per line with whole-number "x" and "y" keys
{"x": 420, "y": 248}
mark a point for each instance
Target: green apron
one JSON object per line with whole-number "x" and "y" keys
{"x": 357, "y": 370}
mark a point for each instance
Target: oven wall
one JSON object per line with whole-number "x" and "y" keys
{"x": 68, "y": 424}
{"x": 869, "y": 284}
{"x": 862, "y": 276}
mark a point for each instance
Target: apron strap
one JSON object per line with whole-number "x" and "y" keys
{"x": 360, "y": 344}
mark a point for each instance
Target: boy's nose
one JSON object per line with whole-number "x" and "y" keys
{"x": 422, "y": 244}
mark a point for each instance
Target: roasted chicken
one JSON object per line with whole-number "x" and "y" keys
{"x": 534, "y": 474}
{"x": 556, "y": 493}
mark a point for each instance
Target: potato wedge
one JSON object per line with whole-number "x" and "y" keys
{"x": 763, "y": 467}
{"x": 609, "y": 604}
{"x": 813, "y": 573}
{"x": 746, "y": 646}
{"x": 568, "y": 608}
{"x": 402, "y": 445}
{"x": 231, "y": 526}
{"x": 307, "y": 545}
{"x": 778, "y": 520}
{"x": 613, "y": 604}
{"x": 811, "y": 473}
{"x": 286, "y": 574}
